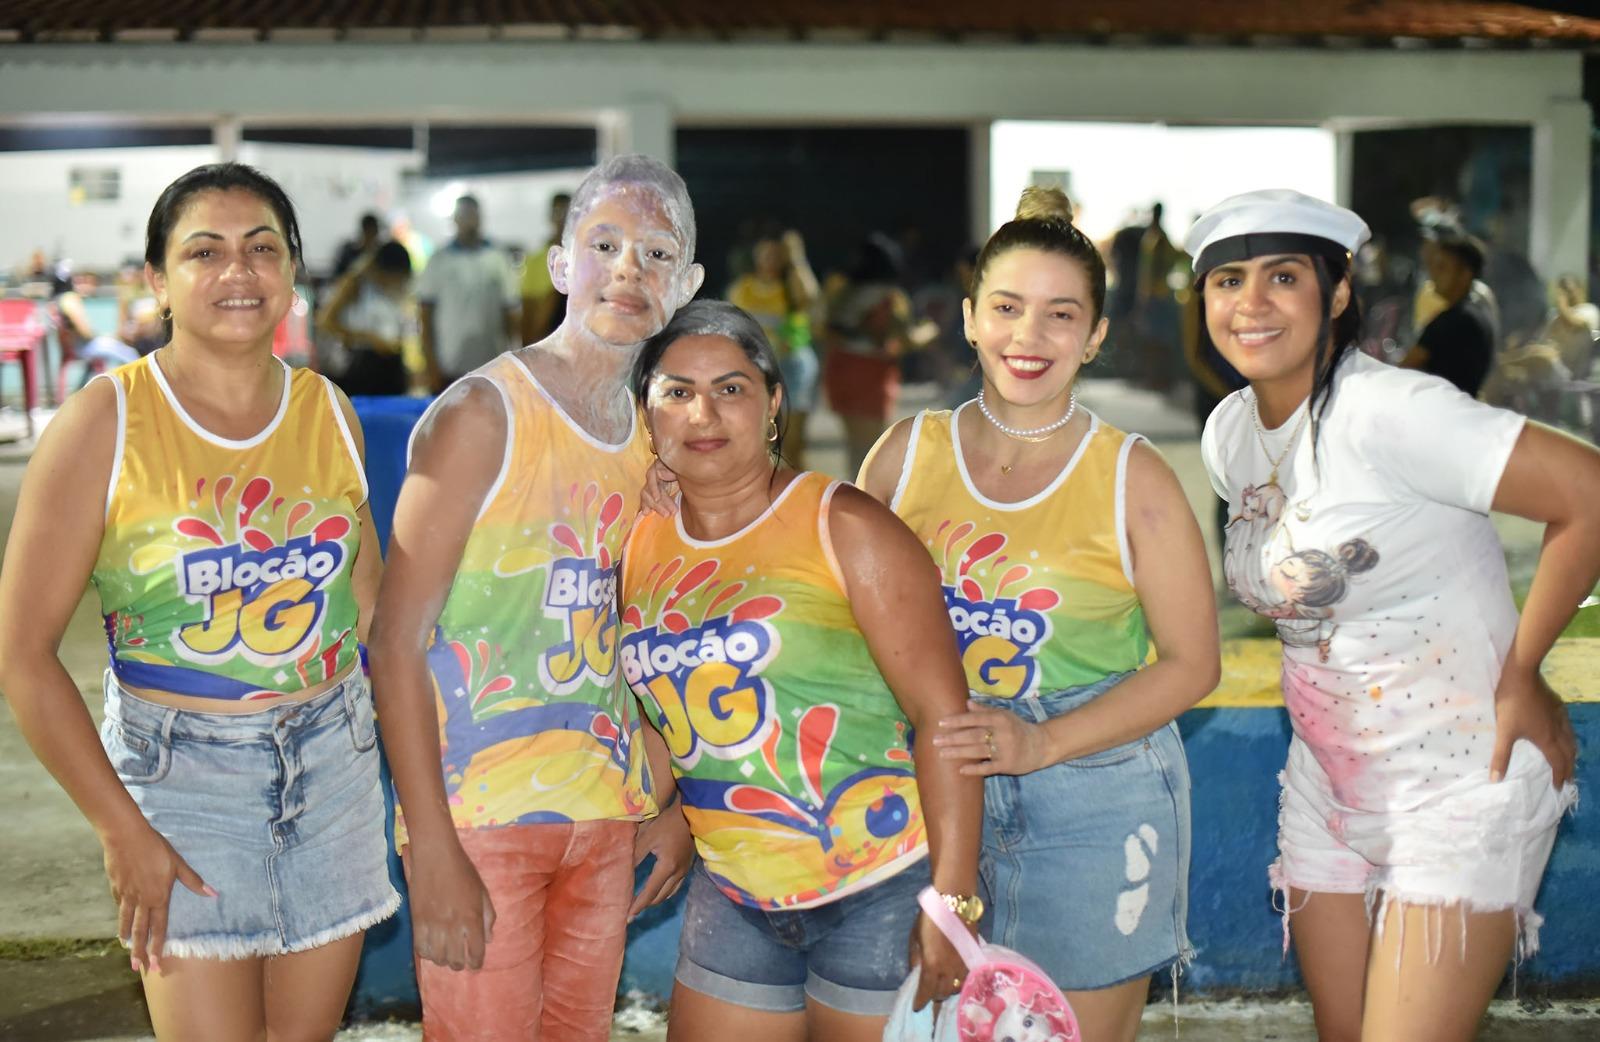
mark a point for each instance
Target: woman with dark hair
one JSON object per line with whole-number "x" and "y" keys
{"x": 1430, "y": 762}
{"x": 1067, "y": 552}
{"x": 217, "y": 501}
{"x": 785, "y": 635}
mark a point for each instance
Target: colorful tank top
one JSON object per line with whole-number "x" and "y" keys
{"x": 790, "y": 751}
{"x": 1040, "y": 592}
{"x": 224, "y": 571}
{"x": 534, "y": 726}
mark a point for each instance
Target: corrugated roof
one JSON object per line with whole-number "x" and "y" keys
{"x": 1376, "y": 22}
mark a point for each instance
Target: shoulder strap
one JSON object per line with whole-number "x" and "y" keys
{"x": 965, "y": 944}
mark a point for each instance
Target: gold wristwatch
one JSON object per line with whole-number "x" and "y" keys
{"x": 968, "y": 909}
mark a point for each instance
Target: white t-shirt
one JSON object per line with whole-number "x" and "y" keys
{"x": 374, "y": 311}
{"x": 1380, "y": 565}
{"x": 470, "y": 290}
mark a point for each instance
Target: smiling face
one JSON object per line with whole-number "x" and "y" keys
{"x": 1032, "y": 320}
{"x": 708, "y": 408}
{"x": 1264, "y": 315}
{"x": 227, "y": 273}
{"x": 624, "y": 271}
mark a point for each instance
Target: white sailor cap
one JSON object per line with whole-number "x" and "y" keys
{"x": 1271, "y": 221}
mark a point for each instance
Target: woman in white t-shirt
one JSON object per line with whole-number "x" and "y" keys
{"x": 1430, "y": 763}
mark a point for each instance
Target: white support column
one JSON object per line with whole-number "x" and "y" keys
{"x": 1343, "y": 166}
{"x": 642, "y": 125}
{"x": 225, "y": 134}
{"x": 979, "y": 145}
{"x": 1558, "y": 240}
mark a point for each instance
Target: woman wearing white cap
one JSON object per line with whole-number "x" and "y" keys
{"x": 1430, "y": 763}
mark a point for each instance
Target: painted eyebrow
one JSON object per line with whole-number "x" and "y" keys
{"x": 1017, "y": 296}
{"x": 213, "y": 235}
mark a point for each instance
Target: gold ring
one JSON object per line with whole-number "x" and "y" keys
{"x": 988, "y": 739}
{"x": 956, "y": 984}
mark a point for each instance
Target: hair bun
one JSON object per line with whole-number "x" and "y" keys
{"x": 1039, "y": 203}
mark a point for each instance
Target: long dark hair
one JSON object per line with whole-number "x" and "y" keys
{"x": 716, "y": 318}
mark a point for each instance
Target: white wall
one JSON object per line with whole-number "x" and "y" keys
{"x": 1119, "y": 167}
{"x": 37, "y": 213}
{"x": 331, "y": 188}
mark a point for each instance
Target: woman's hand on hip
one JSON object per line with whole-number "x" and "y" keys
{"x": 141, "y": 867}
{"x": 1526, "y": 707}
{"x": 992, "y": 741}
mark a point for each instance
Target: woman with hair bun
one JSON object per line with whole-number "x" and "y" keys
{"x": 1067, "y": 553}
{"x": 1430, "y": 762}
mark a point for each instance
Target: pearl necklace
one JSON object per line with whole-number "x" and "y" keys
{"x": 1034, "y": 436}
{"x": 1261, "y": 436}
{"x": 1038, "y": 433}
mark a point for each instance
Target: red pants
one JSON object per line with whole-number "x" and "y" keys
{"x": 561, "y": 896}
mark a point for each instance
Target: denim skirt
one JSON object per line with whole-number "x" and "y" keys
{"x": 1086, "y": 862}
{"x": 279, "y": 811}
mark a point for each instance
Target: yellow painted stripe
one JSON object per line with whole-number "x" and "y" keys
{"x": 1250, "y": 673}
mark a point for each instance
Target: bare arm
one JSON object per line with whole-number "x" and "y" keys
{"x": 894, "y": 595}
{"x": 1554, "y": 478}
{"x": 880, "y": 471}
{"x": 55, "y": 538}
{"x": 455, "y": 460}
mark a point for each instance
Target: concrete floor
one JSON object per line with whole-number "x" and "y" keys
{"x": 60, "y": 981}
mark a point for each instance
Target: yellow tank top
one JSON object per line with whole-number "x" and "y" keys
{"x": 533, "y": 723}
{"x": 790, "y": 750}
{"x": 224, "y": 571}
{"x": 1040, "y": 592}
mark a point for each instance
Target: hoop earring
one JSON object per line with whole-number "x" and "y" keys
{"x": 650, "y": 443}
{"x": 772, "y": 428}
{"x": 166, "y": 314}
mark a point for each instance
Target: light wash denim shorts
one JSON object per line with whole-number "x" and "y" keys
{"x": 850, "y": 955}
{"x": 279, "y": 811}
{"x": 1086, "y": 862}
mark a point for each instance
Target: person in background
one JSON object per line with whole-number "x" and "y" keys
{"x": 781, "y": 293}
{"x": 468, "y": 308}
{"x": 216, "y": 499}
{"x": 1530, "y": 377}
{"x": 543, "y": 306}
{"x": 869, "y": 327}
{"x": 364, "y": 244}
{"x": 366, "y": 309}
{"x": 78, "y": 336}
{"x": 1459, "y": 342}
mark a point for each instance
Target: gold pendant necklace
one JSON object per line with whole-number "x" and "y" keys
{"x": 1261, "y": 437}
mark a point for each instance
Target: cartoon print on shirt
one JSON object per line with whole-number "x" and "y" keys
{"x": 1299, "y": 588}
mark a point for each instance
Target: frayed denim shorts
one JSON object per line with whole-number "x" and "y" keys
{"x": 850, "y": 954}
{"x": 279, "y": 811}
{"x": 1086, "y": 862}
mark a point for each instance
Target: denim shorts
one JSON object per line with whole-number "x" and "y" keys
{"x": 850, "y": 955}
{"x": 1086, "y": 862}
{"x": 279, "y": 811}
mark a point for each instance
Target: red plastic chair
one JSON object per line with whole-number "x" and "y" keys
{"x": 22, "y": 336}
